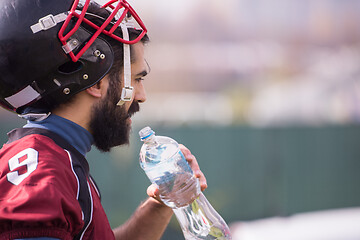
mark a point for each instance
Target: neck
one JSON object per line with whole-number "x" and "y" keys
{"x": 76, "y": 111}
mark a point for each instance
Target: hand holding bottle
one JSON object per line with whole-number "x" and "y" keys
{"x": 153, "y": 190}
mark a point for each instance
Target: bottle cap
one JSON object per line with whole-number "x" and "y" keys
{"x": 145, "y": 133}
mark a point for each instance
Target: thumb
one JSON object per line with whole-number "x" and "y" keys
{"x": 153, "y": 191}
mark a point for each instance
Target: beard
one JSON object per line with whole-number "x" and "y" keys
{"x": 108, "y": 123}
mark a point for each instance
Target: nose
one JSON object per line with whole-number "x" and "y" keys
{"x": 140, "y": 93}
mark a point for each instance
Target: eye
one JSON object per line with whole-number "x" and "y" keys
{"x": 139, "y": 79}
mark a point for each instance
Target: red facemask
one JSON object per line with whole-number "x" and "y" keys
{"x": 115, "y": 6}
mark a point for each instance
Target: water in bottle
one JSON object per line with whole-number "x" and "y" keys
{"x": 166, "y": 166}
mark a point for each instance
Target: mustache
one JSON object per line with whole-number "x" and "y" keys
{"x": 134, "y": 107}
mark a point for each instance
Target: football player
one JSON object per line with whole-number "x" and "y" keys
{"x": 74, "y": 70}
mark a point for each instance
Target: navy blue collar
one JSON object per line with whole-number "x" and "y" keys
{"x": 73, "y": 133}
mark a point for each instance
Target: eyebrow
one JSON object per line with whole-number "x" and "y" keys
{"x": 142, "y": 74}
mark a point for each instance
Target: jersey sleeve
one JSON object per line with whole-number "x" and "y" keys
{"x": 39, "y": 191}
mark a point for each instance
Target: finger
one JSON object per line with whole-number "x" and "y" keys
{"x": 194, "y": 166}
{"x": 190, "y": 158}
{"x": 202, "y": 181}
{"x": 153, "y": 191}
{"x": 184, "y": 150}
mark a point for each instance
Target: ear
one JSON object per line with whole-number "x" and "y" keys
{"x": 97, "y": 90}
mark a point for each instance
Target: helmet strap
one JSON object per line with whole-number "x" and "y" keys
{"x": 127, "y": 91}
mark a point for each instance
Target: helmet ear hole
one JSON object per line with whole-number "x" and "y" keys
{"x": 70, "y": 67}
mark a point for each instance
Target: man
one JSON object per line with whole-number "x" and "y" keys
{"x": 68, "y": 68}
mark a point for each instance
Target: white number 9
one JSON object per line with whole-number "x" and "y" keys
{"x": 27, "y": 159}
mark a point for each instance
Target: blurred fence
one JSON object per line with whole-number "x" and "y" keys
{"x": 252, "y": 172}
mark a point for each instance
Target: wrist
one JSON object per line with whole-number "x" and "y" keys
{"x": 157, "y": 203}
{"x": 157, "y": 206}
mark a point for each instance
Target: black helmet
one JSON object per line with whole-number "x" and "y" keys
{"x": 48, "y": 53}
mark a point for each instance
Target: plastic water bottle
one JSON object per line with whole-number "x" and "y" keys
{"x": 166, "y": 166}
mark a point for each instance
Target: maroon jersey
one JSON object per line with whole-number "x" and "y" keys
{"x": 46, "y": 190}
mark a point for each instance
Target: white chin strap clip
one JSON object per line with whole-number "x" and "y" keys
{"x": 127, "y": 91}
